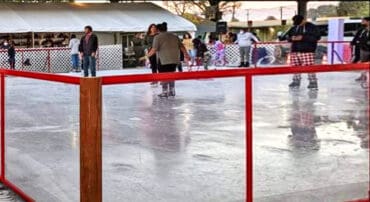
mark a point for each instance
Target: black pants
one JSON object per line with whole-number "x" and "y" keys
{"x": 167, "y": 69}
{"x": 153, "y": 63}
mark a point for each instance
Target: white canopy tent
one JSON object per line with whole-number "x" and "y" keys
{"x": 73, "y": 17}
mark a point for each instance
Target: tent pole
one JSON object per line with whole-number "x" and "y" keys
{"x": 33, "y": 39}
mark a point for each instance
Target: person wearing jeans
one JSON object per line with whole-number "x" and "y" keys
{"x": 245, "y": 40}
{"x": 74, "y": 44}
{"x": 88, "y": 48}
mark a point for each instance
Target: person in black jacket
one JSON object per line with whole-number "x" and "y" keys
{"x": 304, "y": 37}
{"x": 87, "y": 49}
{"x": 11, "y": 55}
{"x": 362, "y": 40}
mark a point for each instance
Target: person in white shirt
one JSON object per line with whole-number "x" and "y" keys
{"x": 245, "y": 40}
{"x": 74, "y": 43}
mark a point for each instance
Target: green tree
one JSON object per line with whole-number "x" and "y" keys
{"x": 354, "y": 8}
{"x": 322, "y": 11}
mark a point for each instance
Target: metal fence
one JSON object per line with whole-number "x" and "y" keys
{"x": 57, "y": 60}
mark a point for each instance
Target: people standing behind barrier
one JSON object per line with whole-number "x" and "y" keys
{"x": 168, "y": 47}
{"x": 304, "y": 37}
{"x": 245, "y": 40}
{"x": 88, "y": 48}
{"x": 74, "y": 44}
{"x": 362, "y": 39}
{"x": 189, "y": 46}
{"x": 11, "y": 54}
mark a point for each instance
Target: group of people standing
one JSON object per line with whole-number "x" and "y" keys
{"x": 84, "y": 50}
{"x": 10, "y": 47}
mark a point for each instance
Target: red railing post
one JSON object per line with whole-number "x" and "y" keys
{"x": 2, "y": 108}
{"x": 249, "y": 136}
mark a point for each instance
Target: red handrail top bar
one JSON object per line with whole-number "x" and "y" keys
{"x": 140, "y": 78}
{"x": 42, "y": 76}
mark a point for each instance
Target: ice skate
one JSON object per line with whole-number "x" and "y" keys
{"x": 295, "y": 84}
{"x": 172, "y": 92}
{"x": 313, "y": 85}
{"x": 362, "y": 78}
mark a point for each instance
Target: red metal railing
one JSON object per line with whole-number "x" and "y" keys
{"x": 248, "y": 74}
{"x": 56, "y": 60}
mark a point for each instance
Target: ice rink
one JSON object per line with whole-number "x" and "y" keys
{"x": 308, "y": 146}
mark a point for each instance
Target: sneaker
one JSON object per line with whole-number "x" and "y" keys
{"x": 163, "y": 95}
{"x": 242, "y": 64}
{"x": 361, "y": 78}
{"x": 295, "y": 84}
{"x": 312, "y": 85}
{"x": 172, "y": 92}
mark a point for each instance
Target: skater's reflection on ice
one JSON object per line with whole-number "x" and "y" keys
{"x": 162, "y": 135}
{"x": 302, "y": 122}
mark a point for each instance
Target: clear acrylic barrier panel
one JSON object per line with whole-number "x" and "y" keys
{"x": 311, "y": 145}
{"x": 42, "y": 138}
{"x": 190, "y": 147}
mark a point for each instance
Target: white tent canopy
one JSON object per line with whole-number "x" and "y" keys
{"x": 73, "y": 17}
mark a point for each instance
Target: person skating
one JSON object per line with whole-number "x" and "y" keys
{"x": 245, "y": 40}
{"x": 148, "y": 43}
{"x": 87, "y": 49}
{"x": 11, "y": 55}
{"x": 168, "y": 47}
{"x": 362, "y": 38}
{"x": 74, "y": 44}
{"x": 304, "y": 37}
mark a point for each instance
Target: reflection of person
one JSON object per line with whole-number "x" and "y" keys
{"x": 362, "y": 39}
{"x": 304, "y": 37}
{"x": 74, "y": 43}
{"x": 245, "y": 40}
{"x": 168, "y": 47}
{"x": 88, "y": 48}
{"x": 302, "y": 122}
{"x": 11, "y": 54}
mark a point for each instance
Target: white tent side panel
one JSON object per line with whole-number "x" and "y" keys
{"x": 124, "y": 17}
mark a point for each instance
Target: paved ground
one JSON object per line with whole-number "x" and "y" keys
{"x": 192, "y": 147}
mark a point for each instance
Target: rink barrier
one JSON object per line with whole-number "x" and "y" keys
{"x": 90, "y": 95}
